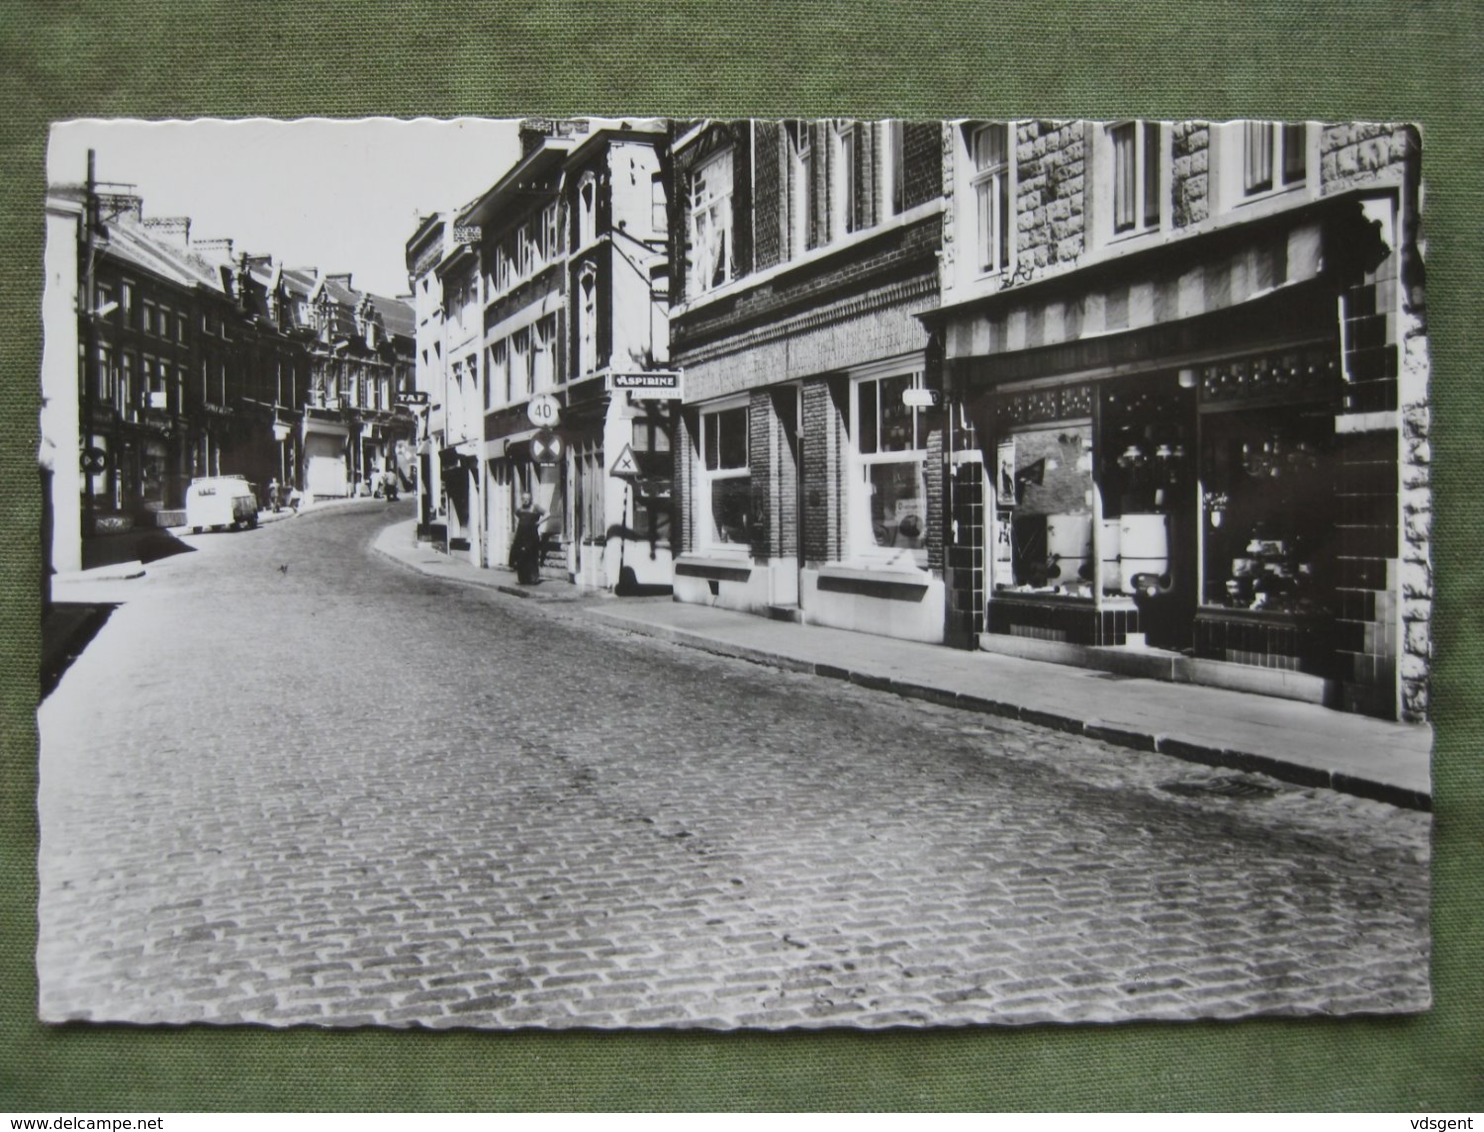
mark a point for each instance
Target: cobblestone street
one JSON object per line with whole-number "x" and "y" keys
{"x": 293, "y": 783}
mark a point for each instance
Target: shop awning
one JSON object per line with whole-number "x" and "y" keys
{"x": 1300, "y": 313}
{"x": 499, "y": 447}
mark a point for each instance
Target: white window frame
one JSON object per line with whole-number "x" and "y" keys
{"x": 520, "y": 364}
{"x": 861, "y": 534}
{"x": 800, "y": 188}
{"x": 543, "y": 353}
{"x": 498, "y": 376}
{"x": 587, "y": 209}
{"x": 996, "y": 184}
{"x": 587, "y": 318}
{"x": 551, "y": 233}
{"x": 709, "y": 208}
{"x": 1230, "y": 151}
{"x": 892, "y": 189}
{"x": 845, "y": 217}
{"x": 1142, "y": 223}
{"x": 710, "y": 538}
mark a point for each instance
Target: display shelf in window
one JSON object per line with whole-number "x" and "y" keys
{"x": 1268, "y": 506}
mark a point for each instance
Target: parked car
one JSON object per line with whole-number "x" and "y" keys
{"x": 221, "y": 501}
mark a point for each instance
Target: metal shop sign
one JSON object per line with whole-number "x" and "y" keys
{"x": 418, "y": 398}
{"x": 656, "y": 385}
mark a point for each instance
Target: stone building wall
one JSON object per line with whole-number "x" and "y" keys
{"x": 1050, "y": 214}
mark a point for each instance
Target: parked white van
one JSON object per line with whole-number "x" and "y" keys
{"x": 221, "y": 501}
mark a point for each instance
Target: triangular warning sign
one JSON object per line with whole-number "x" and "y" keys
{"x": 625, "y": 466}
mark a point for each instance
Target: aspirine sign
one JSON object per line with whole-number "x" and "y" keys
{"x": 653, "y": 385}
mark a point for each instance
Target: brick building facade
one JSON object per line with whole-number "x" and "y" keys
{"x": 803, "y": 254}
{"x": 171, "y": 357}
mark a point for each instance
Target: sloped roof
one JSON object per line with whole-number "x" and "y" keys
{"x": 397, "y": 315}
{"x": 132, "y": 244}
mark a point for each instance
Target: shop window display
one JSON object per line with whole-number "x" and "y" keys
{"x": 1146, "y": 480}
{"x": 890, "y": 501}
{"x": 1046, "y": 509}
{"x": 1268, "y": 485}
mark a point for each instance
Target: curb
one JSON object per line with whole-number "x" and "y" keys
{"x": 1150, "y": 742}
{"x": 118, "y": 572}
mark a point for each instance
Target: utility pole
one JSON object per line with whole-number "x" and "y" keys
{"x": 88, "y": 311}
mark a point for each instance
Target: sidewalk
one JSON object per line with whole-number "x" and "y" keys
{"x": 1296, "y": 742}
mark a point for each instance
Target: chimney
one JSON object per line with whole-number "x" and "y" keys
{"x": 173, "y": 230}
{"x": 223, "y": 245}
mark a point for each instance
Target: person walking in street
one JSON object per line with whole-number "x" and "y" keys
{"x": 273, "y": 495}
{"x": 525, "y": 547}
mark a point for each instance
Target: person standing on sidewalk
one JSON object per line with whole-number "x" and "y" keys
{"x": 525, "y": 547}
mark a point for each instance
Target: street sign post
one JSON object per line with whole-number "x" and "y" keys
{"x": 625, "y": 467}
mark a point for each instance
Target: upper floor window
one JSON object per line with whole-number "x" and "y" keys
{"x": 990, "y": 174}
{"x": 543, "y": 353}
{"x": 521, "y": 362}
{"x": 800, "y": 189}
{"x": 847, "y": 203}
{"x": 1136, "y": 165}
{"x": 497, "y": 373}
{"x": 1274, "y": 155}
{"x": 893, "y": 182}
{"x": 587, "y": 210}
{"x": 587, "y": 319}
{"x": 529, "y": 251}
{"x": 659, "y": 205}
{"x": 709, "y": 215}
{"x": 551, "y": 233}
{"x": 1257, "y": 161}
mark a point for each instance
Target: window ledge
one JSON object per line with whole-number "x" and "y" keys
{"x": 894, "y": 582}
{"x": 719, "y": 565}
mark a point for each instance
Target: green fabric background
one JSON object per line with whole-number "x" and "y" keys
{"x": 1355, "y": 59}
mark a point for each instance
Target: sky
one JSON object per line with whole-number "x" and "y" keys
{"x": 337, "y": 195}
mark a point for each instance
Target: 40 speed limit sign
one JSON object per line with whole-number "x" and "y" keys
{"x": 544, "y": 410}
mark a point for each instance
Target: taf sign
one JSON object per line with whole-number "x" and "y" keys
{"x": 544, "y": 410}
{"x": 920, "y": 398}
{"x": 546, "y": 447}
{"x": 419, "y": 398}
{"x": 655, "y": 385}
